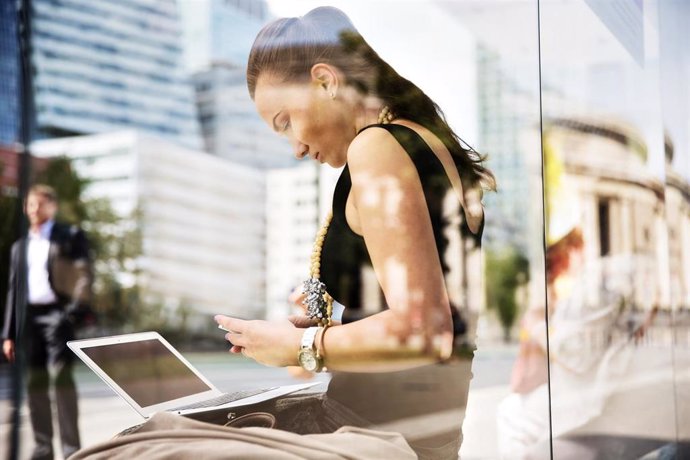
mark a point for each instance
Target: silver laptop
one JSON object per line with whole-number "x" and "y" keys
{"x": 152, "y": 376}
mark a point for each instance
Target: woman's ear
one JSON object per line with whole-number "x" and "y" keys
{"x": 326, "y": 77}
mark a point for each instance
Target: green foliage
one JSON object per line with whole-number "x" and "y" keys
{"x": 171, "y": 323}
{"x": 116, "y": 245}
{"x": 59, "y": 174}
{"x": 506, "y": 271}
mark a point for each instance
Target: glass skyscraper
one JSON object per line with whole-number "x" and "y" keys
{"x": 101, "y": 66}
{"x": 220, "y": 30}
{"x": 9, "y": 69}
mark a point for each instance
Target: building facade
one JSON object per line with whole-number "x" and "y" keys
{"x": 506, "y": 110}
{"x": 609, "y": 191}
{"x": 231, "y": 127}
{"x": 292, "y": 219}
{"x": 10, "y": 71}
{"x": 102, "y": 66}
{"x": 201, "y": 218}
{"x": 220, "y": 30}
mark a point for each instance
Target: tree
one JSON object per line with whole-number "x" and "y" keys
{"x": 59, "y": 174}
{"x": 116, "y": 246}
{"x": 506, "y": 271}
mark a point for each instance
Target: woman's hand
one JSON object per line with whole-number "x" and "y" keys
{"x": 301, "y": 320}
{"x": 273, "y": 343}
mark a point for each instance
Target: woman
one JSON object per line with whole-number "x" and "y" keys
{"x": 407, "y": 192}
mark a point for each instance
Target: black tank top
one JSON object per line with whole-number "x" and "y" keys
{"x": 344, "y": 253}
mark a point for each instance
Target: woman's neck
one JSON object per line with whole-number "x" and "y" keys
{"x": 367, "y": 112}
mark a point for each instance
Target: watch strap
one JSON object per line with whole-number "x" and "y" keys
{"x": 309, "y": 337}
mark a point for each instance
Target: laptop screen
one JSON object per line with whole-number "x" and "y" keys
{"x": 147, "y": 371}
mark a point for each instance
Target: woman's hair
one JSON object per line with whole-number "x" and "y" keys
{"x": 288, "y": 48}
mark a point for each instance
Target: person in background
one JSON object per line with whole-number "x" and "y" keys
{"x": 58, "y": 282}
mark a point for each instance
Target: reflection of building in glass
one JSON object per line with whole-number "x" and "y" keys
{"x": 230, "y": 125}
{"x": 506, "y": 110}
{"x": 9, "y": 69}
{"x": 218, "y": 35}
{"x": 220, "y": 30}
{"x": 101, "y": 66}
{"x": 291, "y": 223}
{"x": 609, "y": 191}
{"x": 201, "y": 218}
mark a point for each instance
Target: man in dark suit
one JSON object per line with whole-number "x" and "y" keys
{"x": 58, "y": 284}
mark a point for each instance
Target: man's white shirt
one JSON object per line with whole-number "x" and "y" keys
{"x": 38, "y": 248}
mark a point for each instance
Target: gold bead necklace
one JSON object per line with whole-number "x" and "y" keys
{"x": 385, "y": 116}
{"x": 319, "y": 303}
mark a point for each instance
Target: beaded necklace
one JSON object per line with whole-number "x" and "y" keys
{"x": 319, "y": 303}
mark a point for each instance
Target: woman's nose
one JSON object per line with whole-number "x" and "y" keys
{"x": 300, "y": 150}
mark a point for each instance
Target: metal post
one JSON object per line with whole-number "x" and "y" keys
{"x": 26, "y": 127}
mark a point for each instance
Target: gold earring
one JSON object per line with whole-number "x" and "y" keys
{"x": 332, "y": 95}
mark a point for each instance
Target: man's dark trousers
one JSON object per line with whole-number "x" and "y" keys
{"x": 49, "y": 358}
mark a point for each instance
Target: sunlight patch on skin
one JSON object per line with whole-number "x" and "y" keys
{"x": 383, "y": 193}
{"x": 415, "y": 330}
{"x": 396, "y": 279}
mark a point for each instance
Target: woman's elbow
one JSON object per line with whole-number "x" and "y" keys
{"x": 431, "y": 338}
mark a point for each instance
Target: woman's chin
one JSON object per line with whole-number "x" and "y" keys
{"x": 335, "y": 164}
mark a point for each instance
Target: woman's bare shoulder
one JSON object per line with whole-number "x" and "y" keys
{"x": 376, "y": 150}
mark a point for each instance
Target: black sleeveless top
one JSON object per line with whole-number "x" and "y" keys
{"x": 344, "y": 252}
{"x": 425, "y": 404}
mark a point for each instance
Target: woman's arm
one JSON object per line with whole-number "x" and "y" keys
{"x": 388, "y": 208}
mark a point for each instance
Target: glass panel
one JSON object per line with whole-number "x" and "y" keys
{"x": 193, "y": 207}
{"x": 510, "y": 361}
{"x": 610, "y": 307}
{"x": 675, "y": 104}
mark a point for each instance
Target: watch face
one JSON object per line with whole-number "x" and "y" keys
{"x": 308, "y": 360}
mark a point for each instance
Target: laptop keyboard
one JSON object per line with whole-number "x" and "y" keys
{"x": 223, "y": 399}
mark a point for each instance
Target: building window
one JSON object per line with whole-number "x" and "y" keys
{"x": 604, "y": 211}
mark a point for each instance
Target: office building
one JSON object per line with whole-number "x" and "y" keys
{"x": 292, "y": 220}
{"x": 103, "y": 66}
{"x": 201, "y": 218}
{"x": 220, "y": 30}
{"x": 231, "y": 127}
{"x": 10, "y": 71}
{"x": 507, "y": 111}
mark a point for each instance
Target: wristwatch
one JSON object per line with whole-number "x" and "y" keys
{"x": 308, "y": 357}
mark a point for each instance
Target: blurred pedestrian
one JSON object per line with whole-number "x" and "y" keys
{"x": 58, "y": 283}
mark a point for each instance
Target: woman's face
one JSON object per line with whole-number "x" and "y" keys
{"x": 316, "y": 124}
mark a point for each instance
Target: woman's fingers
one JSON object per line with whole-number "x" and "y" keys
{"x": 297, "y": 298}
{"x": 230, "y": 324}
{"x": 234, "y": 328}
{"x": 273, "y": 343}
{"x": 302, "y": 321}
{"x": 236, "y": 339}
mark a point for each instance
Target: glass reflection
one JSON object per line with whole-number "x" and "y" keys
{"x": 675, "y": 103}
{"x": 607, "y": 234}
